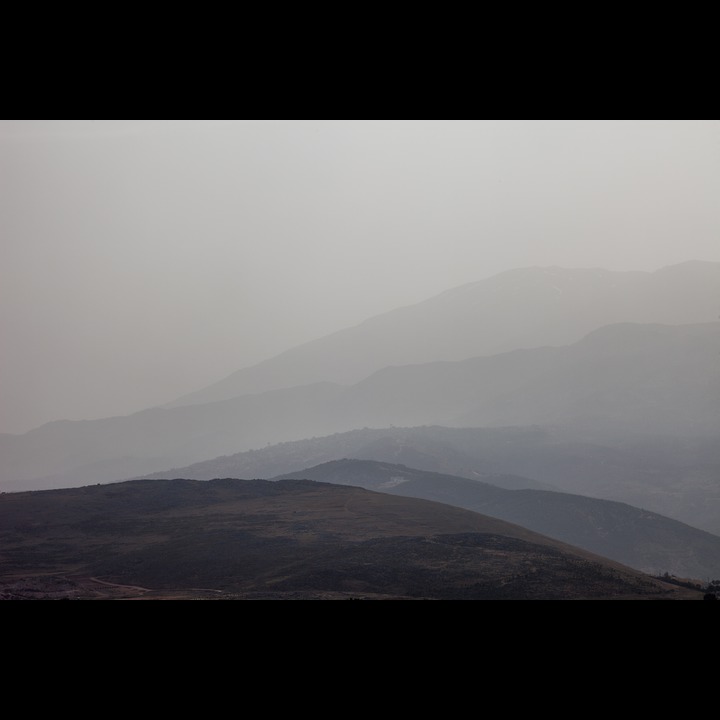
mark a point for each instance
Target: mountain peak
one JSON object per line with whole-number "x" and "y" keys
{"x": 522, "y": 308}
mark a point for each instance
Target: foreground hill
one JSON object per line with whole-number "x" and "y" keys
{"x": 286, "y": 539}
{"x": 643, "y": 540}
{"x": 644, "y": 379}
{"x": 676, "y": 477}
{"x": 523, "y": 308}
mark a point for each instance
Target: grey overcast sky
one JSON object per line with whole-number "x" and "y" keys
{"x": 141, "y": 260}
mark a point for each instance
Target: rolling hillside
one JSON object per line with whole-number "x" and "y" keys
{"x": 675, "y": 477}
{"x": 643, "y": 540}
{"x": 285, "y": 540}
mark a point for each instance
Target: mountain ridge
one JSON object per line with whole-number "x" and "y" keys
{"x": 673, "y": 477}
{"x": 462, "y": 322}
{"x": 641, "y": 539}
{"x": 666, "y": 383}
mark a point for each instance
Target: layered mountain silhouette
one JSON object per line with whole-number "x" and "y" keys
{"x": 530, "y": 395}
{"x": 672, "y": 476}
{"x": 627, "y": 378}
{"x": 643, "y": 540}
{"x": 290, "y": 539}
{"x": 523, "y": 308}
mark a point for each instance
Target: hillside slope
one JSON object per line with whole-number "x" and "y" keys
{"x": 285, "y": 540}
{"x": 643, "y": 540}
{"x": 675, "y": 477}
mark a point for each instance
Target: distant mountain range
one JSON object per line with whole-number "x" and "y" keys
{"x": 290, "y": 539}
{"x": 527, "y": 397}
{"x": 523, "y": 308}
{"x": 642, "y": 379}
{"x": 676, "y": 477}
{"x": 450, "y": 451}
{"x": 640, "y": 539}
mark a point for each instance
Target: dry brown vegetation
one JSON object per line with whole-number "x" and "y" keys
{"x": 293, "y": 539}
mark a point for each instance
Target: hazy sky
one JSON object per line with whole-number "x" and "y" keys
{"x": 141, "y": 260}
